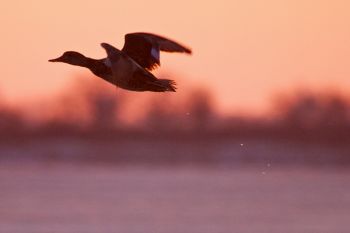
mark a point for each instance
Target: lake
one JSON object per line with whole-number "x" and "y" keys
{"x": 86, "y": 198}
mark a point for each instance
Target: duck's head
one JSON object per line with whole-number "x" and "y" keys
{"x": 71, "y": 57}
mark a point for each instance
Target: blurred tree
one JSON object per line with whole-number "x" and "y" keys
{"x": 102, "y": 102}
{"x": 308, "y": 111}
{"x": 88, "y": 103}
{"x": 104, "y": 108}
{"x": 162, "y": 115}
{"x": 200, "y": 109}
{"x": 336, "y": 112}
{"x": 194, "y": 112}
{"x": 10, "y": 121}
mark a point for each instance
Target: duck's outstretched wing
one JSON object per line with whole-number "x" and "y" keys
{"x": 140, "y": 79}
{"x": 144, "y": 48}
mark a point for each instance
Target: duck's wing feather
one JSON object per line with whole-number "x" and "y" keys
{"x": 139, "y": 79}
{"x": 142, "y": 80}
{"x": 144, "y": 48}
{"x": 100, "y": 68}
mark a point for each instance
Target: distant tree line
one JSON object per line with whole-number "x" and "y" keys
{"x": 97, "y": 109}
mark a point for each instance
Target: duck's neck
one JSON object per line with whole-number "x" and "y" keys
{"x": 85, "y": 62}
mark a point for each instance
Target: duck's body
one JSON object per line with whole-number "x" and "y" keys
{"x": 128, "y": 74}
{"x": 128, "y": 68}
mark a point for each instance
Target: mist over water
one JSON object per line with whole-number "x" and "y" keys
{"x": 103, "y": 198}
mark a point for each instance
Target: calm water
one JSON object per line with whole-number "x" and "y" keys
{"x": 62, "y": 198}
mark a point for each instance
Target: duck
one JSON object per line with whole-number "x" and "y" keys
{"x": 130, "y": 68}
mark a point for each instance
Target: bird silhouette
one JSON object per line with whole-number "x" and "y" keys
{"x": 130, "y": 67}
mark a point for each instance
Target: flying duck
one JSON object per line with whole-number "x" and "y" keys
{"x": 130, "y": 67}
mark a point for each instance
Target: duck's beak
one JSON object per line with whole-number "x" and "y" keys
{"x": 56, "y": 59}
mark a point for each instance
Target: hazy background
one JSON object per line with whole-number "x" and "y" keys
{"x": 256, "y": 139}
{"x": 244, "y": 51}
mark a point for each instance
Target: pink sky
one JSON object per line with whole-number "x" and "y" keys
{"x": 244, "y": 51}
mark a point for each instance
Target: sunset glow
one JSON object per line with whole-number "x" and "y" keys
{"x": 244, "y": 52}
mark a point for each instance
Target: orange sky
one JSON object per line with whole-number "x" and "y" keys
{"x": 245, "y": 51}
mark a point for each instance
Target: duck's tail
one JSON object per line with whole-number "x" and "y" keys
{"x": 169, "y": 85}
{"x": 162, "y": 85}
